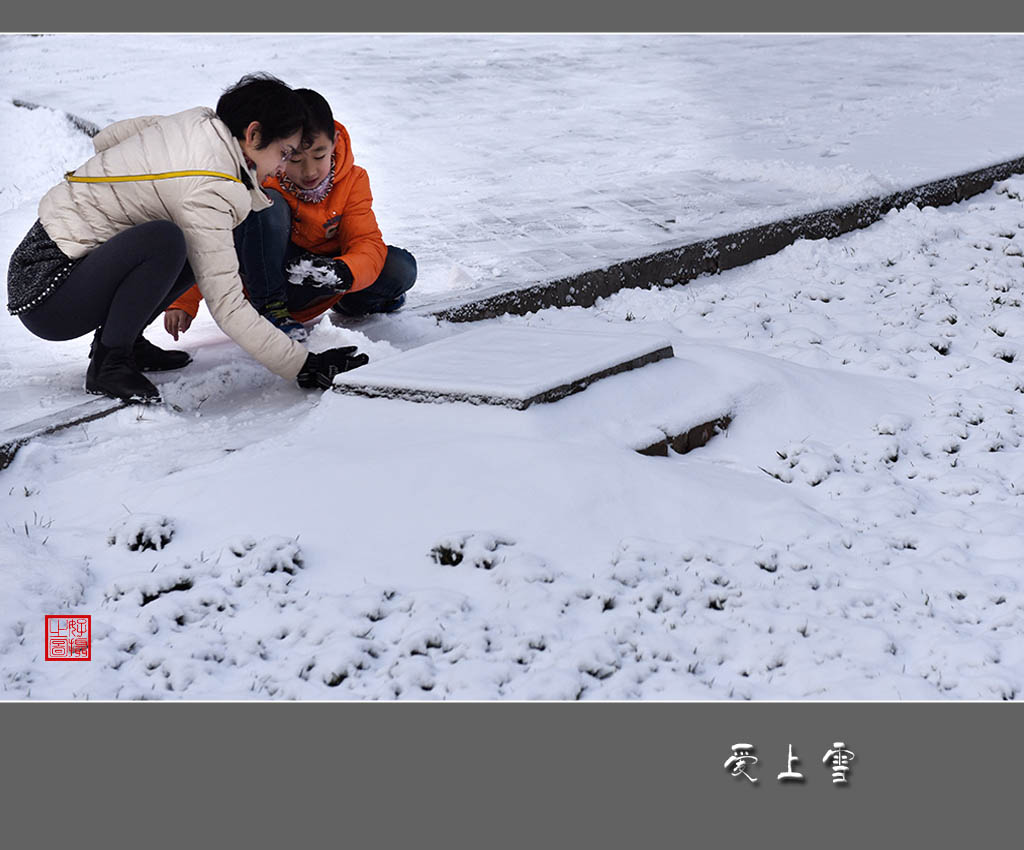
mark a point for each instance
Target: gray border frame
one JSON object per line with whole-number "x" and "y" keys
{"x": 511, "y": 774}
{"x": 523, "y": 16}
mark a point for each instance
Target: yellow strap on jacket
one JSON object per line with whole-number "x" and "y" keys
{"x": 71, "y": 178}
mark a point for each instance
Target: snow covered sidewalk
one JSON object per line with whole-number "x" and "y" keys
{"x": 512, "y": 159}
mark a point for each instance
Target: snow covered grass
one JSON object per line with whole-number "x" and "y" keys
{"x": 854, "y": 535}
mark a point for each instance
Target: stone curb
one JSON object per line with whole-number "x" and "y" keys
{"x": 81, "y": 124}
{"x": 710, "y": 256}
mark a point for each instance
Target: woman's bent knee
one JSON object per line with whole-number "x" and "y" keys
{"x": 165, "y": 238}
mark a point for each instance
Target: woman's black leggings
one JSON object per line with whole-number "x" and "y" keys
{"x": 121, "y": 286}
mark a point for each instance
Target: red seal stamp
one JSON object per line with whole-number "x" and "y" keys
{"x": 69, "y": 637}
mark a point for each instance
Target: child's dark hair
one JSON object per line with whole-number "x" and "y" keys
{"x": 320, "y": 118}
{"x": 263, "y": 98}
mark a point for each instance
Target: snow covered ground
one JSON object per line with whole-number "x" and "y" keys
{"x": 855, "y": 533}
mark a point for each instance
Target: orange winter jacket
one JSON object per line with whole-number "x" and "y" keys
{"x": 342, "y": 225}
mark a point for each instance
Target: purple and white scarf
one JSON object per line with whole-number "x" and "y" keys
{"x": 317, "y": 193}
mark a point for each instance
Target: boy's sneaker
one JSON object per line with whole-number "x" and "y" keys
{"x": 394, "y": 306}
{"x": 276, "y": 312}
{"x": 341, "y": 309}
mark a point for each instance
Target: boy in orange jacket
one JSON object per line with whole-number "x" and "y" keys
{"x": 318, "y": 247}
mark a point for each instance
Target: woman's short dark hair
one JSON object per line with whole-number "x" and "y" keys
{"x": 320, "y": 118}
{"x": 263, "y": 98}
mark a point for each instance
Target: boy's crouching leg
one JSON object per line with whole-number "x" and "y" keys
{"x": 387, "y": 293}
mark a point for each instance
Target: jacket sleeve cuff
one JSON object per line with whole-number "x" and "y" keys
{"x": 189, "y": 302}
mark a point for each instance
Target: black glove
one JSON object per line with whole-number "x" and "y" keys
{"x": 327, "y": 273}
{"x": 319, "y": 369}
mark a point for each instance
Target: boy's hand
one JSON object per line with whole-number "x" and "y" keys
{"x": 328, "y": 273}
{"x": 176, "y": 322}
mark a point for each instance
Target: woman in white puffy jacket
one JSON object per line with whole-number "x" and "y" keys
{"x": 151, "y": 214}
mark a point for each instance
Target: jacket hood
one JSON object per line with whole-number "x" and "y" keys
{"x": 343, "y": 157}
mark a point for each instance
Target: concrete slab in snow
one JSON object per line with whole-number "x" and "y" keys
{"x": 509, "y": 366}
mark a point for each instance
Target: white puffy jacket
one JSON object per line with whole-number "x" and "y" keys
{"x": 80, "y": 216}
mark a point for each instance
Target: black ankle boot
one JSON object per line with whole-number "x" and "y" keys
{"x": 150, "y": 358}
{"x": 96, "y": 354}
{"x": 112, "y": 372}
